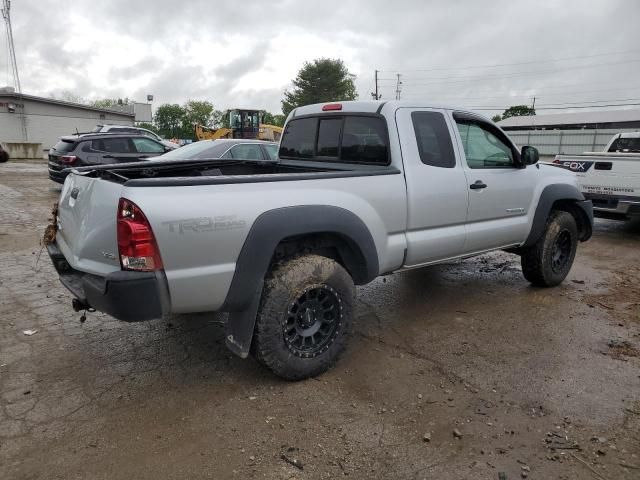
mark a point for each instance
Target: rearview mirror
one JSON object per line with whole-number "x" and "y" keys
{"x": 529, "y": 155}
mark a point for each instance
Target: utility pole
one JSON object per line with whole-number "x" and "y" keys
{"x": 398, "y": 88}
{"x": 533, "y": 107}
{"x": 6, "y": 14}
{"x": 375, "y": 94}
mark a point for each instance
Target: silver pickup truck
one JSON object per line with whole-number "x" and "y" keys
{"x": 361, "y": 189}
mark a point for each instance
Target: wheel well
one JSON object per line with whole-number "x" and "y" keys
{"x": 582, "y": 221}
{"x": 332, "y": 245}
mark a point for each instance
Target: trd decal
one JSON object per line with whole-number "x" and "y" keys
{"x": 205, "y": 224}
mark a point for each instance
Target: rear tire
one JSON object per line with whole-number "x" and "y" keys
{"x": 548, "y": 261}
{"x": 304, "y": 319}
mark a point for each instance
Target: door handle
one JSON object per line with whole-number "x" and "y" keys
{"x": 478, "y": 185}
{"x": 108, "y": 156}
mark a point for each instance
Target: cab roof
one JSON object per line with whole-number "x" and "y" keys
{"x": 372, "y": 106}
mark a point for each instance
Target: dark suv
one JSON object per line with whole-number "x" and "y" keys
{"x": 99, "y": 149}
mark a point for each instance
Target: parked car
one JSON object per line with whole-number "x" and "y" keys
{"x": 4, "y": 155}
{"x": 99, "y": 149}
{"x": 610, "y": 179}
{"x": 134, "y": 130}
{"x": 225, "y": 148}
{"x": 360, "y": 189}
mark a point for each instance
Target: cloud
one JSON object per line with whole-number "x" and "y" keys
{"x": 247, "y": 54}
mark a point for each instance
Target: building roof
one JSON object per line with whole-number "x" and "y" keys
{"x": 33, "y": 98}
{"x": 573, "y": 118}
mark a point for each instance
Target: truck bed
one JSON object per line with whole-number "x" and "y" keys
{"x": 212, "y": 172}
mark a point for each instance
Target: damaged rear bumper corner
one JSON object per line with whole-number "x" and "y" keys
{"x": 125, "y": 295}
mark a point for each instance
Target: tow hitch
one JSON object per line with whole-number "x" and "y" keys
{"x": 80, "y": 306}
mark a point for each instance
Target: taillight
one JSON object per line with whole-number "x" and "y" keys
{"x": 136, "y": 243}
{"x": 68, "y": 159}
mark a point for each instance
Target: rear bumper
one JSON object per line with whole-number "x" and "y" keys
{"x": 127, "y": 296}
{"x": 56, "y": 172}
{"x": 608, "y": 206}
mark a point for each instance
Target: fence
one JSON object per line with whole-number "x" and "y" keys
{"x": 569, "y": 142}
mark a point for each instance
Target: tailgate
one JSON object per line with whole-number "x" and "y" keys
{"x": 619, "y": 177}
{"x": 87, "y": 224}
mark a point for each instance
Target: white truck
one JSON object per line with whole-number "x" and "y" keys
{"x": 610, "y": 179}
{"x": 361, "y": 189}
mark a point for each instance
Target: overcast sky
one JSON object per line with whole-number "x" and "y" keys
{"x": 244, "y": 54}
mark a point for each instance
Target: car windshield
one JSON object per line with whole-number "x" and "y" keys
{"x": 196, "y": 151}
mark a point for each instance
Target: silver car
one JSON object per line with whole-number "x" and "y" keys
{"x": 226, "y": 149}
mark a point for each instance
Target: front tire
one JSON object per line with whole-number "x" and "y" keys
{"x": 548, "y": 261}
{"x": 304, "y": 318}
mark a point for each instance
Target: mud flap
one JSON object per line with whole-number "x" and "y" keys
{"x": 240, "y": 325}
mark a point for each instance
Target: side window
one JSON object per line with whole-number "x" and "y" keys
{"x": 112, "y": 145}
{"x": 246, "y": 152}
{"x": 329, "y": 137}
{"x": 434, "y": 140}
{"x": 482, "y": 148}
{"x": 364, "y": 141}
{"x": 146, "y": 145}
{"x": 298, "y": 139}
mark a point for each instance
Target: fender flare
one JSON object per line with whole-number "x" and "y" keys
{"x": 552, "y": 194}
{"x": 269, "y": 229}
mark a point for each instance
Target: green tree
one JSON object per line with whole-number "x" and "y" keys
{"x": 496, "y": 118}
{"x": 199, "y": 112}
{"x": 272, "y": 119}
{"x": 266, "y": 117}
{"x": 278, "y": 119}
{"x": 323, "y": 80}
{"x": 518, "y": 111}
{"x": 170, "y": 120}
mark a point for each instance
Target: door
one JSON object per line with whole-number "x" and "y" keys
{"x": 147, "y": 148}
{"x": 437, "y": 191}
{"x": 500, "y": 192}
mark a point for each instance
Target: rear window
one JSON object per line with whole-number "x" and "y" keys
{"x": 625, "y": 145}
{"x": 345, "y": 138}
{"x": 64, "y": 146}
{"x": 299, "y": 137}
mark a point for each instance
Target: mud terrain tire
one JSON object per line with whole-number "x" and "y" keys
{"x": 548, "y": 261}
{"x": 305, "y": 317}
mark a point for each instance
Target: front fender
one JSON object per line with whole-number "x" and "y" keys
{"x": 569, "y": 197}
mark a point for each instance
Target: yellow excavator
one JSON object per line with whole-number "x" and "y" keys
{"x": 242, "y": 124}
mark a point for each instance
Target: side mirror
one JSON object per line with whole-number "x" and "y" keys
{"x": 529, "y": 155}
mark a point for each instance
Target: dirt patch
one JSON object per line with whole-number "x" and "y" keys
{"x": 619, "y": 349}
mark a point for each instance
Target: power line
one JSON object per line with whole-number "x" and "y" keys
{"x": 485, "y": 107}
{"x": 512, "y": 64}
{"x": 515, "y": 74}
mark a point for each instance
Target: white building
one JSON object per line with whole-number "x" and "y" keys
{"x": 30, "y": 125}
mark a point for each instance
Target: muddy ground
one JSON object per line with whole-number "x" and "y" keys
{"x": 460, "y": 371}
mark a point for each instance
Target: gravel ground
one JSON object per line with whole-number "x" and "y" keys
{"x": 460, "y": 371}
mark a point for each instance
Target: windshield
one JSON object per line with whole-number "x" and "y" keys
{"x": 196, "y": 151}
